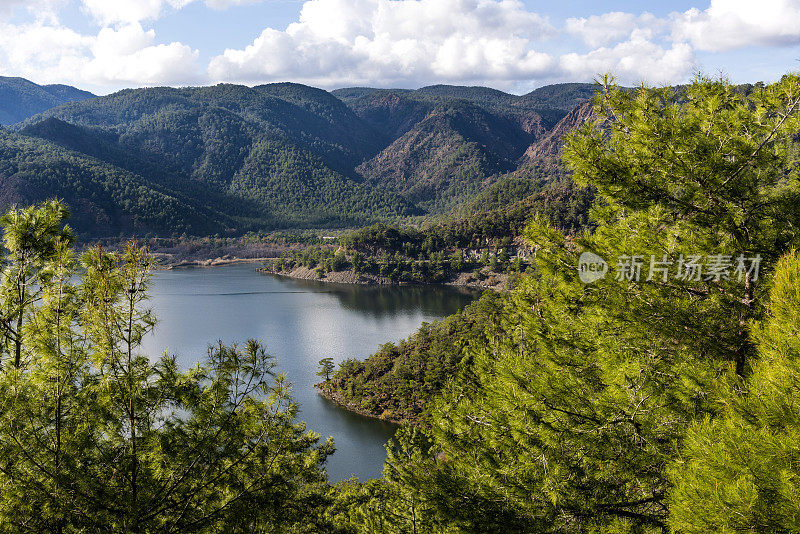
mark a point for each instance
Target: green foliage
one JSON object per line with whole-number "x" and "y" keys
{"x": 745, "y": 190}
{"x": 326, "y": 367}
{"x": 738, "y": 471}
{"x": 485, "y": 233}
{"x": 504, "y": 208}
{"x": 20, "y": 98}
{"x": 562, "y": 96}
{"x": 398, "y": 503}
{"x": 293, "y": 189}
{"x": 35, "y": 241}
{"x": 572, "y": 405}
{"x": 276, "y": 156}
{"x": 97, "y": 436}
{"x": 106, "y": 199}
{"x": 230, "y": 159}
{"x": 461, "y": 244}
{"x": 399, "y": 381}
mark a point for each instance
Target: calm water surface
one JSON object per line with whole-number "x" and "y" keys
{"x": 299, "y": 322}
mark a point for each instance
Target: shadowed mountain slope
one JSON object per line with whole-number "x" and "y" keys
{"x": 282, "y": 155}
{"x": 21, "y": 98}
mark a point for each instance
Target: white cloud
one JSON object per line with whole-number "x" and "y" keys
{"x": 633, "y": 61}
{"x": 124, "y": 11}
{"x": 225, "y": 4}
{"x": 403, "y": 42}
{"x": 729, "y": 24}
{"x": 608, "y": 28}
{"x": 42, "y": 52}
{"x": 126, "y": 55}
{"x": 42, "y": 10}
{"x": 7, "y": 6}
{"x": 121, "y": 53}
{"x": 108, "y": 12}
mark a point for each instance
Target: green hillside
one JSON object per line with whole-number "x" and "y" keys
{"x": 449, "y": 141}
{"x": 446, "y": 157}
{"x": 285, "y": 155}
{"x": 20, "y": 98}
{"x": 560, "y": 96}
{"x": 105, "y": 200}
{"x": 275, "y": 156}
{"x": 309, "y": 117}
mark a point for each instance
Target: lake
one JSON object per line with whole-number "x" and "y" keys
{"x": 299, "y": 323}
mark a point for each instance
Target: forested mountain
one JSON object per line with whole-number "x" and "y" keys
{"x": 449, "y": 140}
{"x": 547, "y": 149}
{"x": 105, "y": 200}
{"x": 281, "y": 155}
{"x": 549, "y": 103}
{"x": 624, "y": 404}
{"x": 268, "y": 157}
{"x": 446, "y": 156}
{"x": 20, "y": 98}
{"x": 560, "y": 96}
{"x": 630, "y": 403}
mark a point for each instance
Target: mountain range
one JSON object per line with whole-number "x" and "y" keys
{"x": 228, "y": 159}
{"x": 21, "y": 98}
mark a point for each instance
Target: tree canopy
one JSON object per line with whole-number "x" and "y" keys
{"x": 657, "y": 395}
{"x": 97, "y": 436}
{"x": 638, "y": 401}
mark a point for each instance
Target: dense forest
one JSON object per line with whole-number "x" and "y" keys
{"x": 484, "y": 238}
{"x": 629, "y": 404}
{"x": 659, "y": 396}
{"x": 398, "y": 382}
{"x": 217, "y": 161}
{"x": 228, "y": 159}
{"x": 21, "y": 98}
{"x": 97, "y": 437}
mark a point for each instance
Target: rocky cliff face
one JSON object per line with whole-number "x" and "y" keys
{"x": 547, "y": 150}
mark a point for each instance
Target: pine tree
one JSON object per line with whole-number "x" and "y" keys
{"x": 32, "y": 236}
{"x": 326, "y": 367}
{"x": 97, "y": 436}
{"x": 739, "y": 471}
{"x": 566, "y": 418}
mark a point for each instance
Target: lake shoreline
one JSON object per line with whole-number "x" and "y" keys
{"x": 166, "y": 261}
{"x": 465, "y": 280}
{"x": 208, "y": 262}
{"x": 336, "y": 398}
{"x": 204, "y": 255}
{"x": 298, "y": 323}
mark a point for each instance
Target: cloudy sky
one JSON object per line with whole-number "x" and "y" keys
{"x": 513, "y": 45}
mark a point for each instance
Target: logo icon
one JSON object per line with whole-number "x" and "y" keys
{"x": 591, "y": 267}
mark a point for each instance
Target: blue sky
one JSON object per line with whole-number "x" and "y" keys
{"x": 513, "y": 45}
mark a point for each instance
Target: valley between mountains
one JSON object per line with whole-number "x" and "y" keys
{"x": 228, "y": 160}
